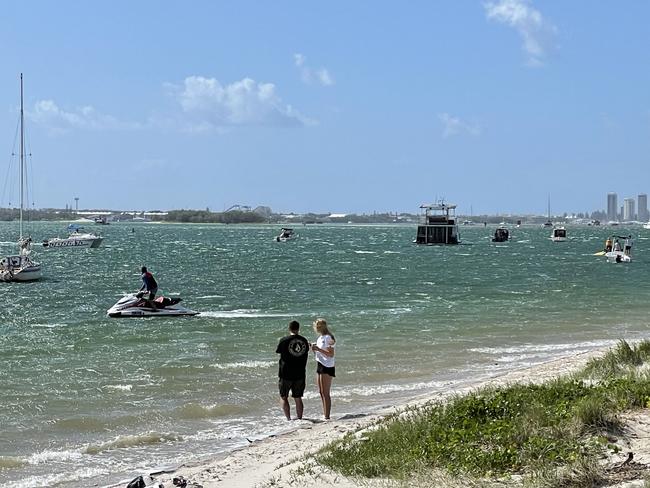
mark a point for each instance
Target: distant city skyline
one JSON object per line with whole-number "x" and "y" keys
{"x": 627, "y": 211}
{"x": 333, "y": 107}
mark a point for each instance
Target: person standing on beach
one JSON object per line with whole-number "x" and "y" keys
{"x": 325, "y": 372}
{"x": 294, "y": 352}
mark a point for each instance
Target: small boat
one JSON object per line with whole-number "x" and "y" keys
{"x": 76, "y": 238}
{"x": 134, "y": 305}
{"x": 502, "y": 234}
{"x": 101, "y": 220}
{"x": 286, "y": 234}
{"x": 559, "y": 234}
{"x": 438, "y": 225}
{"x": 21, "y": 267}
{"x": 646, "y": 225}
{"x": 549, "y": 222}
{"x": 618, "y": 257}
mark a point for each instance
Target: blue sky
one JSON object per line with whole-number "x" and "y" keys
{"x": 331, "y": 107}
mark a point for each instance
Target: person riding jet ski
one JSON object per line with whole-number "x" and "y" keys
{"x": 149, "y": 286}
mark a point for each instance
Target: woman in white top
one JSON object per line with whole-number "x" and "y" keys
{"x": 324, "y": 349}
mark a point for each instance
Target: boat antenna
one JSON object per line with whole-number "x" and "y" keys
{"x": 22, "y": 156}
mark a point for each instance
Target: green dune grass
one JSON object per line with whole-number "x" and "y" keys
{"x": 547, "y": 432}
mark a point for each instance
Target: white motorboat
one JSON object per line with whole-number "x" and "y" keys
{"x": 76, "y": 238}
{"x": 21, "y": 267}
{"x": 618, "y": 257}
{"x": 559, "y": 234}
{"x": 134, "y": 305}
{"x": 646, "y": 225}
{"x": 286, "y": 234}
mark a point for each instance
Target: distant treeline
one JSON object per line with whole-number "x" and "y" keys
{"x": 205, "y": 216}
{"x": 9, "y": 214}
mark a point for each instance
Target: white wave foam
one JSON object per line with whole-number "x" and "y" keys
{"x": 127, "y": 441}
{"x": 245, "y": 364}
{"x": 119, "y": 387}
{"x": 537, "y": 348}
{"x": 58, "y": 456}
{"x": 211, "y": 296}
{"x": 371, "y": 390}
{"x": 365, "y": 252}
{"x": 238, "y": 314}
{"x": 58, "y": 478}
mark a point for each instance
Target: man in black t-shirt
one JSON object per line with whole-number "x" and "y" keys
{"x": 294, "y": 351}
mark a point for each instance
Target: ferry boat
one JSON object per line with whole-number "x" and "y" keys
{"x": 438, "y": 225}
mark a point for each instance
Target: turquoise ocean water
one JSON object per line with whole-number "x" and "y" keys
{"x": 89, "y": 397}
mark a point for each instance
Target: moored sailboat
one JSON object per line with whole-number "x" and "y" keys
{"x": 21, "y": 267}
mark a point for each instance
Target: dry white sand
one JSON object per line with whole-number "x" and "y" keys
{"x": 280, "y": 461}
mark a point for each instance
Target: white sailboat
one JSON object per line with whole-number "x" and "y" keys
{"x": 549, "y": 222}
{"x": 21, "y": 267}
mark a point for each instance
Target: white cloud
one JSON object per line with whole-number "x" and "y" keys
{"x": 211, "y": 105}
{"x": 47, "y": 113}
{"x": 308, "y": 75}
{"x": 454, "y": 125}
{"x": 535, "y": 31}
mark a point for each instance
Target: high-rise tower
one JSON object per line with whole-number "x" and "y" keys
{"x": 642, "y": 212}
{"x": 612, "y": 206}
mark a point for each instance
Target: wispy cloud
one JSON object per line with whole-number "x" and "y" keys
{"x": 201, "y": 105}
{"x": 48, "y": 114}
{"x": 211, "y": 105}
{"x": 536, "y": 32}
{"x": 310, "y": 75}
{"x": 454, "y": 125}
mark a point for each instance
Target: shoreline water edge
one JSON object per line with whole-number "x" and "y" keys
{"x": 278, "y": 460}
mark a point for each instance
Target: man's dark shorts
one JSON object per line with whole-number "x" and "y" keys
{"x": 297, "y": 387}
{"x": 152, "y": 293}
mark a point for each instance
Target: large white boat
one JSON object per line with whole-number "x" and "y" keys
{"x": 559, "y": 234}
{"x": 21, "y": 267}
{"x": 438, "y": 225}
{"x": 76, "y": 238}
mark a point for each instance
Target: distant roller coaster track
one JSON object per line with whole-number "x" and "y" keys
{"x": 243, "y": 208}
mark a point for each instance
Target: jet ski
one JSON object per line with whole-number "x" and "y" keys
{"x": 134, "y": 305}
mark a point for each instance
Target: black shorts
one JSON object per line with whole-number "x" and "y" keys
{"x": 297, "y": 387}
{"x": 320, "y": 369}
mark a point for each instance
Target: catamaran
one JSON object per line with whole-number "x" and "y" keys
{"x": 21, "y": 267}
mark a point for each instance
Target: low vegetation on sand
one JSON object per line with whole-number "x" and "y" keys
{"x": 550, "y": 434}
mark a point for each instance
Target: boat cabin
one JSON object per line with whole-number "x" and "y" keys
{"x": 502, "y": 234}
{"x": 559, "y": 234}
{"x": 438, "y": 225}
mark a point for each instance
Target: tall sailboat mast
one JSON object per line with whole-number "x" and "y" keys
{"x": 22, "y": 156}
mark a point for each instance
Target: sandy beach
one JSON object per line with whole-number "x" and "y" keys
{"x": 282, "y": 460}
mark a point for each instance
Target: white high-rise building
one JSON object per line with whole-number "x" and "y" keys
{"x": 612, "y": 206}
{"x": 642, "y": 211}
{"x": 628, "y": 209}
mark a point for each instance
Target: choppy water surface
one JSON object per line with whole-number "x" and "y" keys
{"x": 87, "y": 396}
